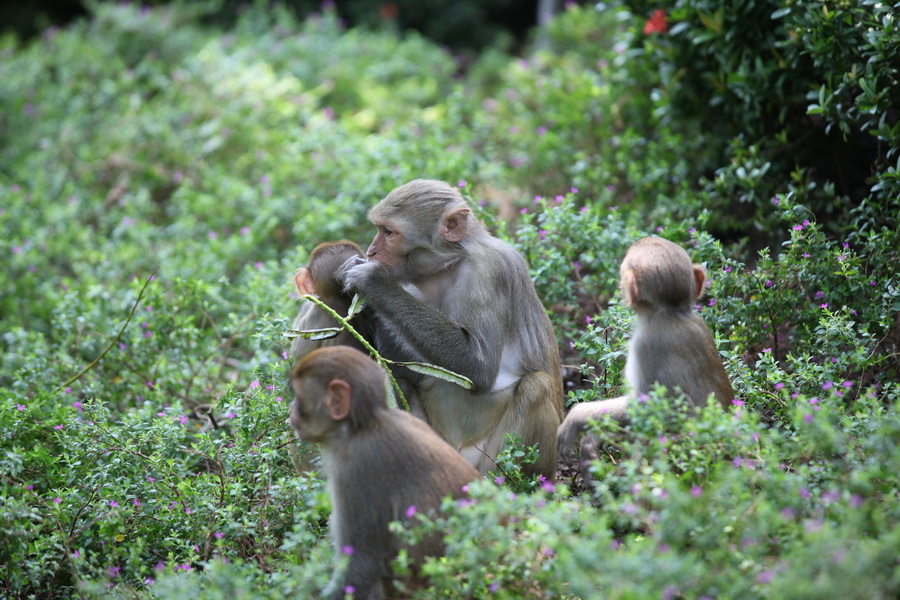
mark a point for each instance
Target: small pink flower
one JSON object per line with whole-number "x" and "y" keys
{"x": 347, "y": 550}
{"x": 410, "y": 512}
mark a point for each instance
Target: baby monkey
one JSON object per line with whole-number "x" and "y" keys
{"x": 670, "y": 344}
{"x": 320, "y": 278}
{"x": 381, "y": 464}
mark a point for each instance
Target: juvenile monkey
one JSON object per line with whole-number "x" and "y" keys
{"x": 382, "y": 465}
{"x": 670, "y": 344}
{"x": 320, "y": 278}
{"x": 445, "y": 291}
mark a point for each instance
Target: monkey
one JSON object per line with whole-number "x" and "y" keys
{"x": 381, "y": 465}
{"x": 320, "y": 278}
{"x": 670, "y": 344}
{"x": 444, "y": 291}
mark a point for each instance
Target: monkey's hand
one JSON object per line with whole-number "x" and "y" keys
{"x": 355, "y": 272}
{"x": 572, "y": 427}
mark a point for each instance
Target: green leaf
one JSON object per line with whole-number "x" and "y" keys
{"x": 439, "y": 372}
{"x": 312, "y": 334}
{"x": 781, "y": 12}
{"x": 356, "y": 305}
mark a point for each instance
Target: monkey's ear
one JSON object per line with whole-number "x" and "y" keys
{"x": 699, "y": 279}
{"x": 337, "y": 399}
{"x": 303, "y": 281}
{"x": 453, "y": 227}
{"x": 630, "y": 288}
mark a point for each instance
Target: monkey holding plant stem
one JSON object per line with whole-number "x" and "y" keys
{"x": 381, "y": 465}
{"x": 444, "y": 291}
{"x": 670, "y": 344}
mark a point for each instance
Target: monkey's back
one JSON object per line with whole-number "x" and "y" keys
{"x": 392, "y": 468}
{"x": 676, "y": 349}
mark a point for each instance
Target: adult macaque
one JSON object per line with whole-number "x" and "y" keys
{"x": 320, "y": 278}
{"x": 670, "y": 344}
{"x": 381, "y": 465}
{"x": 446, "y": 292}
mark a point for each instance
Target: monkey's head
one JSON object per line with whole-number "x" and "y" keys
{"x": 335, "y": 387}
{"x": 422, "y": 228}
{"x": 320, "y": 276}
{"x": 657, "y": 273}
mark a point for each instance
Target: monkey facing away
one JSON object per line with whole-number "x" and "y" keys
{"x": 320, "y": 278}
{"x": 381, "y": 465}
{"x": 670, "y": 344}
{"x": 444, "y": 291}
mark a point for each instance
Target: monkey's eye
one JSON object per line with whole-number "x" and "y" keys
{"x": 387, "y": 232}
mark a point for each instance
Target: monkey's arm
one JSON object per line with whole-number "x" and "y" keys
{"x": 472, "y": 348}
{"x": 579, "y": 417}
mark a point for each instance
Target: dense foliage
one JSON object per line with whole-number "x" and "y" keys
{"x": 151, "y": 162}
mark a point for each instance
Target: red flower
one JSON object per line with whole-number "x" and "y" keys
{"x": 657, "y": 22}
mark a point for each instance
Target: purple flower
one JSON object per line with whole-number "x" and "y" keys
{"x": 765, "y": 577}
{"x": 20, "y": 407}
{"x": 347, "y": 550}
{"x": 410, "y": 511}
{"x": 696, "y": 491}
{"x": 219, "y": 535}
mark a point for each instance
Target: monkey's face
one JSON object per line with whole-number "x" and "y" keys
{"x": 388, "y": 247}
{"x": 308, "y": 418}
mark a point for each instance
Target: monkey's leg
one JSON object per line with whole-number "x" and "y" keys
{"x": 534, "y": 419}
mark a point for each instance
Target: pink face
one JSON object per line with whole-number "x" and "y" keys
{"x": 387, "y": 247}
